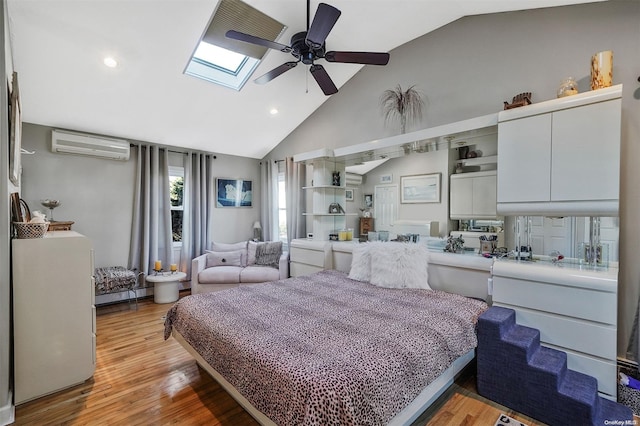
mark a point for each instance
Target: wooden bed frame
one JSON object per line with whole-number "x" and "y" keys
{"x": 405, "y": 417}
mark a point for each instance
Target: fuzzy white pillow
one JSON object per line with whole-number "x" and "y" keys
{"x": 399, "y": 265}
{"x": 361, "y": 263}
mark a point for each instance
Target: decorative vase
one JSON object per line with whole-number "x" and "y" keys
{"x": 602, "y": 70}
{"x": 568, "y": 87}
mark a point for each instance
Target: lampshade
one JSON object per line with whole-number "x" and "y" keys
{"x": 256, "y": 225}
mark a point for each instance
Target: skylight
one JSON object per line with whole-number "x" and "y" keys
{"x": 225, "y": 61}
{"x": 219, "y": 57}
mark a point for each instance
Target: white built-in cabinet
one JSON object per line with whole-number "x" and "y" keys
{"x": 473, "y": 195}
{"x": 54, "y": 322}
{"x": 561, "y": 157}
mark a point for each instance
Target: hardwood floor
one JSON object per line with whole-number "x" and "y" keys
{"x": 140, "y": 379}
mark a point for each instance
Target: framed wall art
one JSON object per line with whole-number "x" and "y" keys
{"x": 420, "y": 189}
{"x": 233, "y": 193}
{"x": 386, "y": 178}
{"x": 15, "y": 132}
{"x": 348, "y": 194}
{"x": 368, "y": 201}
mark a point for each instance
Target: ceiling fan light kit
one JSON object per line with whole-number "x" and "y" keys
{"x": 309, "y": 46}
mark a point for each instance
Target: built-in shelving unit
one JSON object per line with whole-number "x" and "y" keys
{"x": 326, "y": 191}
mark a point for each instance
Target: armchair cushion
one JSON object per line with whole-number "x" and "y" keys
{"x": 220, "y": 275}
{"x": 259, "y": 274}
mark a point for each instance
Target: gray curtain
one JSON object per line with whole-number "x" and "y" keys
{"x": 151, "y": 227}
{"x": 269, "y": 200}
{"x": 198, "y": 203}
{"x": 295, "y": 175}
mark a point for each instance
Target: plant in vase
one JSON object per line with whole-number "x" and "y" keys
{"x": 403, "y": 105}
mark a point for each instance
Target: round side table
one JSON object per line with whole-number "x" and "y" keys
{"x": 165, "y": 286}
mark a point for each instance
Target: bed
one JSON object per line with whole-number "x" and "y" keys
{"x": 328, "y": 349}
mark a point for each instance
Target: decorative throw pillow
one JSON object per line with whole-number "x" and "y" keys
{"x": 361, "y": 262}
{"x": 225, "y": 247}
{"x": 399, "y": 265}
{"x": 225, "y": 258}
{"x": 252, "y": 246}
{"x": 268, "y": 254}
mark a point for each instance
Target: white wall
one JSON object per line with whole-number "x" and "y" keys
{"x": 469, "y": 67}
{"x": 97, "y": 194}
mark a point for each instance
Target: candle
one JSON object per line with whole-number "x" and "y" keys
{"x": 174, "y": 267}
{"x": 158, "y": 265}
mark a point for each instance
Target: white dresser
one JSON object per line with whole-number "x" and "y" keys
{"x": 53, "y": 313}
{"x": 575, "y": 310}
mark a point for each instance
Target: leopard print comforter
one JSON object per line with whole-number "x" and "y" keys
{"x": 325, "y": 349}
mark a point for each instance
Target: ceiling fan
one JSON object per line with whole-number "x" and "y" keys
{"x": 309, "y": 46}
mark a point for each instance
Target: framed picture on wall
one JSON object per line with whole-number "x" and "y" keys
{"x": 386, "y": 178}
{"x": 233, "y": 192}
{"x": 15, "y": 132}
{"x": 368, "y": 201}
{"x": 420, "y": 189}
{"x": 348, "y": 194}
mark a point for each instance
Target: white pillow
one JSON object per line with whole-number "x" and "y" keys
{"x": 361, "y": 262}
{"x": 399, "y": 265}
{"x": 224, "y": 258}
{"x": 228, "y": 247}
{"x": 225, "y": 247}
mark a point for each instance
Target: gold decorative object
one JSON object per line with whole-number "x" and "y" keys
{"x": 602, "y": 70}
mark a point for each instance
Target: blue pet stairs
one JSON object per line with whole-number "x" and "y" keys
{"x": 515, "y": 371}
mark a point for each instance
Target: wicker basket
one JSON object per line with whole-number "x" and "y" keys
{"x": 31, "y": 230}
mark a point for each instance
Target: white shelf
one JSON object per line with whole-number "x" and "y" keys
{"x": 324, "y": 187}
{"x": 479, "y": 161}
{"x": 329, "y": 214}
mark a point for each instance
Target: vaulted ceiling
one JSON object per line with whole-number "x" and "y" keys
{"x": 59, "y": 45}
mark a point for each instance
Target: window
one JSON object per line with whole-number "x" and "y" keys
{"x": 221, "y": 66}
{"x": 282, "y": 209}
{"x": 176, "y": 195}
{"x": 226, "y": 61}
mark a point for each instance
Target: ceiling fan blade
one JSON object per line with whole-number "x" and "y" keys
{"x": 237, "y": 35}
{"x": 367, "y": 58}
{"x": 275, "y": 72}
{"x": 323, "y": 21}
{"x": 322, "y": 78}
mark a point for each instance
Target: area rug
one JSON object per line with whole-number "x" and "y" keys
{"x": 504, "y": 420}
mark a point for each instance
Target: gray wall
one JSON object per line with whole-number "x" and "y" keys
{"x": 469, "y": 67}
{"x": 97, "y": 194}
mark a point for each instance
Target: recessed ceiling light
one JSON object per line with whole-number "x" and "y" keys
{"x": 273, "y": 111}
{"x": 110, "y": 62}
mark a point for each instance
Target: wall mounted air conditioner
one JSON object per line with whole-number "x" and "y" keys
{"x": 84, "y": 144}
{"x": 353, "y": 179}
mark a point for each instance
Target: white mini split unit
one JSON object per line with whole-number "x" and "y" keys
{"x": 94, "y": 146}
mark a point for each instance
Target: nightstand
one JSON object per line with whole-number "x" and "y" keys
{"x": 366, "y": 225}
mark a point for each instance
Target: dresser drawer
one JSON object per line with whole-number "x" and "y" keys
{"x": 309, "y": 257}
{"x": 583, "y": 303}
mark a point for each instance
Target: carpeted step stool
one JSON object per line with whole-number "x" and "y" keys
{"x": 515, "y": 371}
